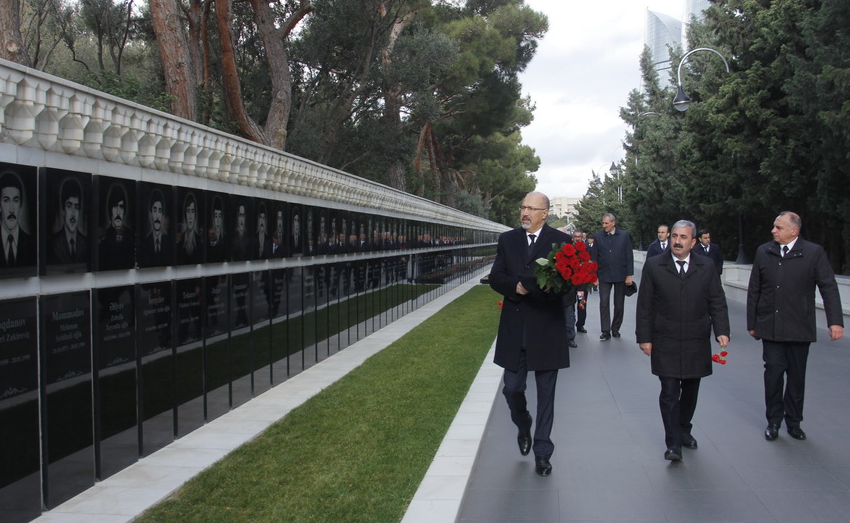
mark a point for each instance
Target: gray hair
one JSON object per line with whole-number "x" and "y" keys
{"x": 610, "y": 217}
{"x": 686, "y": 223}
{"x": 796, "y": 221}
{"x": 538, "y": 193}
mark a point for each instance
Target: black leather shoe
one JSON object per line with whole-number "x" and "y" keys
{"x": 673, "y": 454}
{"x": 581, "y": 329}
{"x": 523, "y": 439}
{"x": 543, "y": 467}
{"x": 616, "y": 334}
{"x": 688, "y": 441}
{"x": 797, "y": 433}
{"x": 573, "y": 344}
{"x": 771, "y": 432}
{"x": 605, "y": 336}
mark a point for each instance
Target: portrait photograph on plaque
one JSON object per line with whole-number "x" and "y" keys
{"x": 263, "y": 244}
{"x": 156, "y": 217}
{"x": 155, "y": 346}
{"x": 114, "y": 208}
{"x": 242, "y": 239}
{"x": 66, "y": 220}
{"x": 18, "y": 230}
{"x": 190, "y": 354}
{"x": 115, "y": 385}
{"x": 217, "y": 214}
{"x": 20, "y": 479}
{"x": 278, "y": 221}
{"x": 296, "y": 234}
{"x": 191, "y": 230}
{"x": 67, "y": 395}
{"x": 321, "y": 238}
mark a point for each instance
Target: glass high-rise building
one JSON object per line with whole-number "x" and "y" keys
{"x": 662, "y": 30}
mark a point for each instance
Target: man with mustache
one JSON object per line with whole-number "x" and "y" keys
{"x": 18, "y": 248}
{"x": 117, "y": 247}
{"x": 532, "y": 326}
{"x": 69, "y": 245}
{"x": 680, "y": 301}
{"x": 158, "y": 247}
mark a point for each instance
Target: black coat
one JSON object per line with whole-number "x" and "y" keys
{"x": 677, "y": 315}
{"x": 714, "y": 253}
{"x": 535, "y": 320}
{"x": 614, "y": 255}
{"x": 781, "y": 295}
{"x": 655, "y": 249}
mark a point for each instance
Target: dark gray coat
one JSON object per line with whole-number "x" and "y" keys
{"x": 677, "y": 315}
{"x": 614, "y": 254}
{"x": 535, "y": 320}
{"x": 781, "y": 295}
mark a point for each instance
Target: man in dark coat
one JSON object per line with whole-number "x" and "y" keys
{"x": 661, "y": 244}
{"x": 532, "y": 326}
{"x": 781, "y": 313}
{"x": 612, "y": 250}
{"x": 18, "y": 246}
{"x": 680, "y": 301}
{"x": 712, "y": 250}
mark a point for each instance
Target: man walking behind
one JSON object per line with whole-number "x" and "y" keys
{"x": 612, "y": 251}
{"x": 781, "y": 313}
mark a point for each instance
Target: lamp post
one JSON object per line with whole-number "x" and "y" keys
{"x": 681, "y": 102}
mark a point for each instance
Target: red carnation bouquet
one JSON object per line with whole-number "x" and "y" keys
{"x": 567, "y": 266}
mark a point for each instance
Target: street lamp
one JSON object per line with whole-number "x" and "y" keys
{"x": 681, "y": 102}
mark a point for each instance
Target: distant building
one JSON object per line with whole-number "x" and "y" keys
{"x": 663, "y": 30}
{"x": 565, "y": 207}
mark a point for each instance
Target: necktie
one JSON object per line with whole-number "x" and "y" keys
{"x": 157, "y": 245}
{"x": 73, "y": 248}
{"x": 663, "y": 245}
{"x": 706, "y": 248}
{"x": 10, "y": 257}
{"x": 681, "y": 268}
{"x": 784, "y": 250}
{"x": 531, "y": 243}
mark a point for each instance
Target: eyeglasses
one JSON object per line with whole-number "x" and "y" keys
{"x": 524, "y": 208}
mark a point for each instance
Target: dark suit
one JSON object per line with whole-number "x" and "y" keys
{"x": 655, "y": 248}
{"x": 114, "y": 253}
{"x": 532, "y": 330}
{"x": 60, "y": 250}
{"x": 196, "y": 256}
{"x": 25, "y": 252}
{"x": 781, "y": 311}
{"x": 148, "y": 255}
{"x": 677, "y": 315}
{"x": 613, "y": 253}
{"x": 714, "y": 253}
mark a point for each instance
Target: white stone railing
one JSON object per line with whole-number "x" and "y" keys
{"x": 44, "y": 112}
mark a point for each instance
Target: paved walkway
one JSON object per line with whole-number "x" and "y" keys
{"x": 609, "y": 466}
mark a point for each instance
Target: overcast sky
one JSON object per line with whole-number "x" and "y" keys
{"x": 582, "y": 73}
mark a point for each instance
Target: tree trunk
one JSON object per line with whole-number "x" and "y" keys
{"x": 274, "y": 41}
{"x": 248, "y": 128}
{"x": 177, "y": 64}
{"x": 11, "y": 41}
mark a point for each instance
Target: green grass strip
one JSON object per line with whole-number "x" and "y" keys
{"x": 357, "y": 451}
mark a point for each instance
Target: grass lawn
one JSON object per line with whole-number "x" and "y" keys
{"x": 357, "y": 451}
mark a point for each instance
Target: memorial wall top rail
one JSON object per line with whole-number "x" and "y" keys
{"x": 45, "y": 112}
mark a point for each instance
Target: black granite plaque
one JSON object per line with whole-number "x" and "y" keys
{"x": 296, "y": 231}
{"x": 278, "y": 220}
{"x": 295, "y": 323}
{"x": 190, "y": 231}
{"x": 242, "y": 239}
{"x": 67, "y": 445}
{"x": 190, "y": 357}
{"x": 115, "y": 383}
{"x": 18, "y": 225}
{"x": 155, "y": 345}
{"x": 20, "y": 480}
{"x": 241, "y": 353}
{"x": 279, "y": 339}
{"x": 66, "y": 219}
{"x": 217, "y": 346}
{"x": 262, "y": 232}
{"x": 115, "y": 221}
{"x": 156, "y": 218}
{"x": 261, "y": 294}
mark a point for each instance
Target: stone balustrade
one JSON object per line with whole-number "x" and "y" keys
{"x": 51, "y": 114}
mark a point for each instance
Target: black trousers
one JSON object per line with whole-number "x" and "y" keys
{"x": 581, "y": 313}
{"x": 609, "y": 324}
{"x": 514, "y": 392}
{"x": 784, "y": 399}
{"x": 678, "y": 401}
